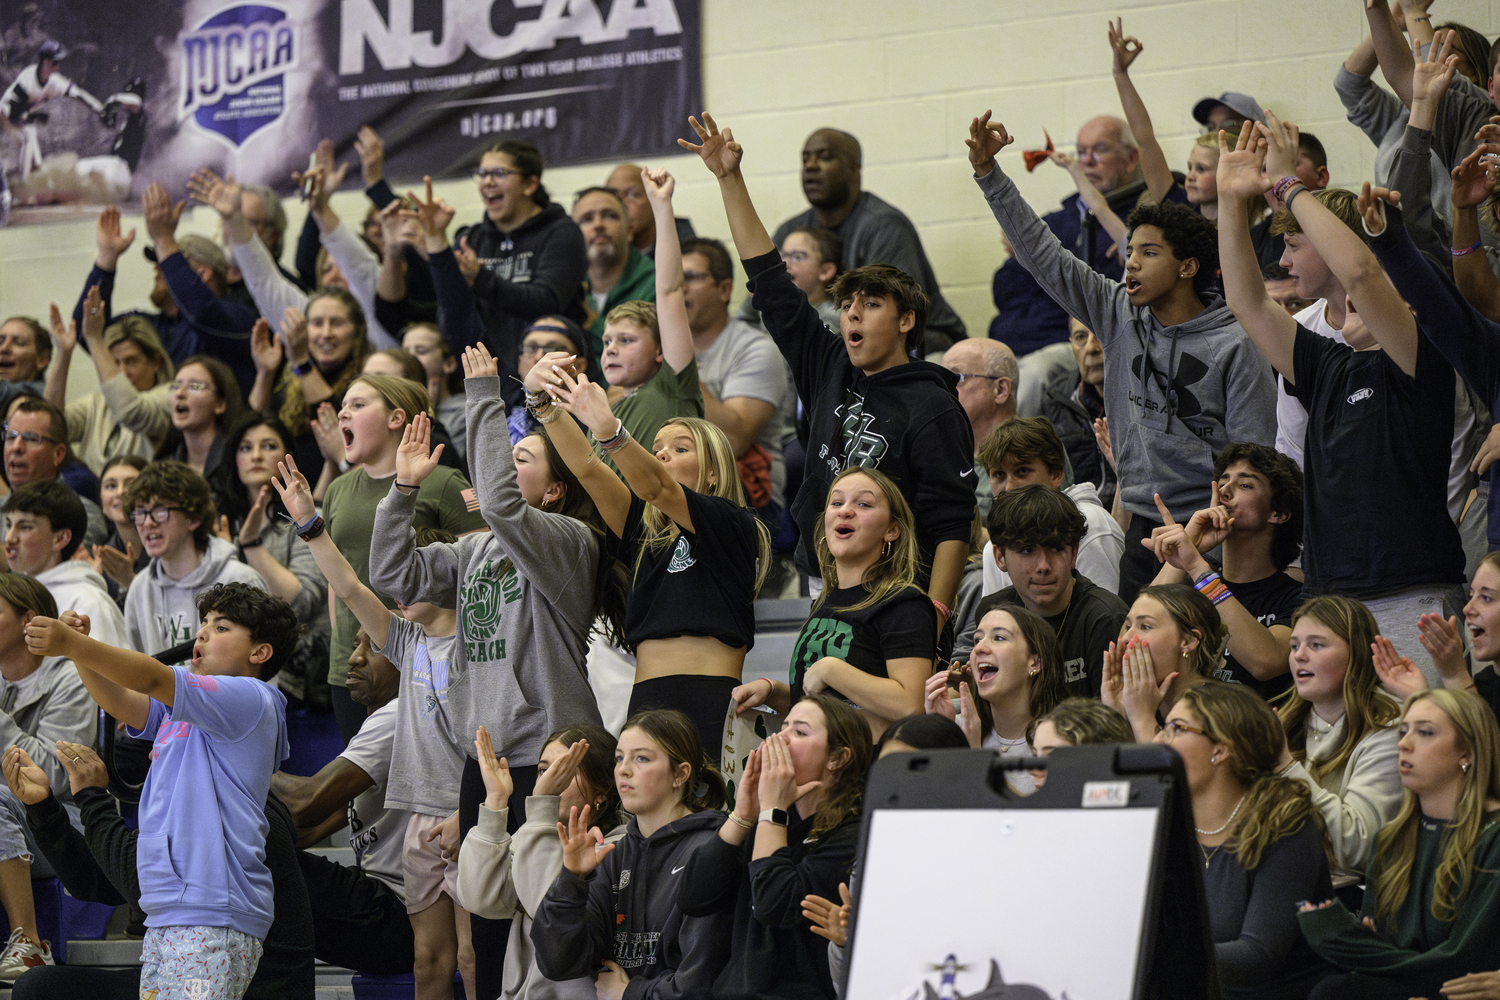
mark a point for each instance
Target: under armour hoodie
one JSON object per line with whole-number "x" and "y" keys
{"x": 524, "y": 591}
{"x": 1175, "y": 395}
{"x": 627, "y": 911}
{"x": 161, "y": 612}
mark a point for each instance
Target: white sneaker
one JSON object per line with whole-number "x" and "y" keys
{"x": 21, "y": 954}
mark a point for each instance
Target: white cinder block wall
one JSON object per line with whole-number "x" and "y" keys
{"x": 905, "y": 77}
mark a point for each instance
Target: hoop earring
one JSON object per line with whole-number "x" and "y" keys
{"x": 887, "y": 550}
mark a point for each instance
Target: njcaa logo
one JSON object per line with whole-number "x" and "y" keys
{"x": 233, "y": 66}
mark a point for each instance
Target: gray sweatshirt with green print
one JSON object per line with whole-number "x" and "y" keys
{"x": 524, "y": 592}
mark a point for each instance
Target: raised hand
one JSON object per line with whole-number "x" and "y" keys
{"x": 1240, "y": 169}
{"x": 1208, "y": 528}
{"x": 1431, "y": 76}
{"x": 371, "y": 155}
{"x": 1372, "y": 202}
{"x": 1281, "y": 147}
{"x": 294, "y": 335}
{"x": 586, "y": 401}
{"x": 48, "y": 637}
{"x": 1474, "y": 177}
{"x": 719, "y": 152}
{"x": 85, "y": 767}
{"x": 556, "y": 779}
{"x": 659, "y": 185}
{"x": 255, "y": 520}
{"x": 399, "y": 227}
{"x": 26, "y": 780}
{"x": 112, "y": 563}
{"x": 1101, "y": 438}
{"x": 111, "y": 242}
{"x": 64, "y": 335}
{"x": 326, "y": 432}
{"x": 1171, "y": 544}
{"x": 935, "y": 697}
{"x": 468, "y": 260}
{"x": 433, "y": 214}
{"x": 747, "y": 793}
{"x": 968, "y": 717}
{"x": 778, "y": 787}
{"x": 545, "y": 371}
{"x": 222, "y": 194}
{"x": 265, "y": 347}
{"x": 479, "y": 363}
{"x": 161, "y": 215}
{"x": 1444, "y": 643}
{"x": 1398, "y": 673}
{"x": 829, "y": 919}
{"x": 77, "y": 622}
{"x": 93, "y": 319}
{"x": 296, "y": 495}
{"x": 986, "y": 139}
{"x": 1112, "y": 687}
{"x": 583, "y": 845}
{"x": 498, "y": 785}
{"x": 1125, "y": 47}
{"x": 221, "y": 528}
{"x": 320, "y": 183}
{"x": 415, "y": 457}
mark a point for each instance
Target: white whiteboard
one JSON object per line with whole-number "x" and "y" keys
{"x": 1055, "y": 896}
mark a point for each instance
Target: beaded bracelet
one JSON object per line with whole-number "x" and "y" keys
{"x": 537, "y": 399}
{"x": 1468, "y": 250}
{"x": 551, "y": 414}
{"x": 1212, "y": 587}
{"x": 1280, "y": 188}
{"x": 614, "y": 444}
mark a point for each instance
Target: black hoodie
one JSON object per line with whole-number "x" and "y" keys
{"x": 627, "y": 911}
{"x": 534, "y": 270}
{"x": 774, "y": 953}
{"x": 906, "y": 421}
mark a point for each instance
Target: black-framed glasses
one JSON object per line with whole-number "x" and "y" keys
{"x": 28, "y": 437}
{"x": 493, "y": 173}
{"x": 1176, "y": 727}
{"x": 158, "y": 514}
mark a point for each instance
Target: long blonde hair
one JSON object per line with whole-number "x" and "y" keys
{"x": 897, "y": 566}
{"x": 1396, "y": 843}
{"x": 1274, "y": 807}
{"x": 718, "y": 476}
{"x": 1367, "y": 708}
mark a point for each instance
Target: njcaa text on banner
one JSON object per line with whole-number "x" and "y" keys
{"x": 98, "y": 100}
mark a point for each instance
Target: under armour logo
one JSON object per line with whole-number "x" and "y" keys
{"x": 1190, "y": 371}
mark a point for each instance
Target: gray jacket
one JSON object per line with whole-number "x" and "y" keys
{"x": 55, "y": 706}
{"x": 524, "y": 592}
{"x": 1174, "y": 395}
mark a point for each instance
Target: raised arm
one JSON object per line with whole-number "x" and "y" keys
{"x": 722, "y": 155}
{"x": 671, "y": 312}
{"x": 297, "y": 496}
{"x": 1154, "y": 165}
{"x": 1095, "y": 202}
{"x": 1411, "y": 171}
{"x": 1240, "y": 178}
{"x": 130, "y": 679}
{"x": 646, "y": 475}
{"x": 1473, "y": 181}
{"x": 1390, "y": 49}
{"x": 611, "y": 497}
{"x": 64, "y": 340}
{"x": 1347, "y": 256}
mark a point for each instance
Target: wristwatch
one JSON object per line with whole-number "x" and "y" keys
{"x": 777, "y": 816}
{"x": 305, "y": 368}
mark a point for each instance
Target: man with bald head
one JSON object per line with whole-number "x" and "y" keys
{"x": 987, "y": 376}
{"x": 625, "y": 181}
{"x": 872, "y": 231}
{"x": 618, "y": 272}
{"x": 1029, "y": 319}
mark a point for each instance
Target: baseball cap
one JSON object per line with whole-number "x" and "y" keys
{"x": 1241, "y": 104}
{"x": 51, "y": 50}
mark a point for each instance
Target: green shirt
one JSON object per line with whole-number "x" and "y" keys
{"x": 349, "y": 510}
{"x": 669, "y": 394}
{"x": 637, "y": 284}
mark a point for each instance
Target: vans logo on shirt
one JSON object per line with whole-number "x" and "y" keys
{"x": 682, "y": 556}
{"x": 1362, "y": 394}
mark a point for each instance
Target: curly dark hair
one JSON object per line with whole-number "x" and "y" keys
{"x": 1035, "y": 515}
{"x": 269, "y": 619}
{"x": 1189, "y": 234}
{"x": 1285, "y": 479}
{"x": 175, "y": 484}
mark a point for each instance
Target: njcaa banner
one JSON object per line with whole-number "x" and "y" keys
{"x": 102, "y": 99}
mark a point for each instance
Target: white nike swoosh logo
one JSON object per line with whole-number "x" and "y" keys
{"x": 966, "y": 472}
{"x": 678, "y": 869}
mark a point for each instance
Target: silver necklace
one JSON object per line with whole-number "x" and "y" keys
{"x": 1215, "y": 833}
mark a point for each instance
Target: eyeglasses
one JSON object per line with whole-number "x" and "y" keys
{"x": 1098, "y": 151}
{"x": 529, "y": 349}
{"x": 968, "y": 375}
{"x": 493, "y": 173}
{"x": 1176, "y": 727}
{"x": 158, "y": 514}
{"x": 195, "y": 387}
{"x": 797, "y": 256}
{"x": 28, "y": 437}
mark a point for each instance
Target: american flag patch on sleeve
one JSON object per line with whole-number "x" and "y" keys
{"x": 471, "y": 499}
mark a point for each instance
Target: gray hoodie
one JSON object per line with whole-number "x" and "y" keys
{"x": 161, "y": 612}
{"x": 1221, "y": 388}
{"x": 524, "y": 591}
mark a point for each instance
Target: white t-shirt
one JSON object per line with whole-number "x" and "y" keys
{"x": 1291, "y": 418}
{"x": 376, "y": 832}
